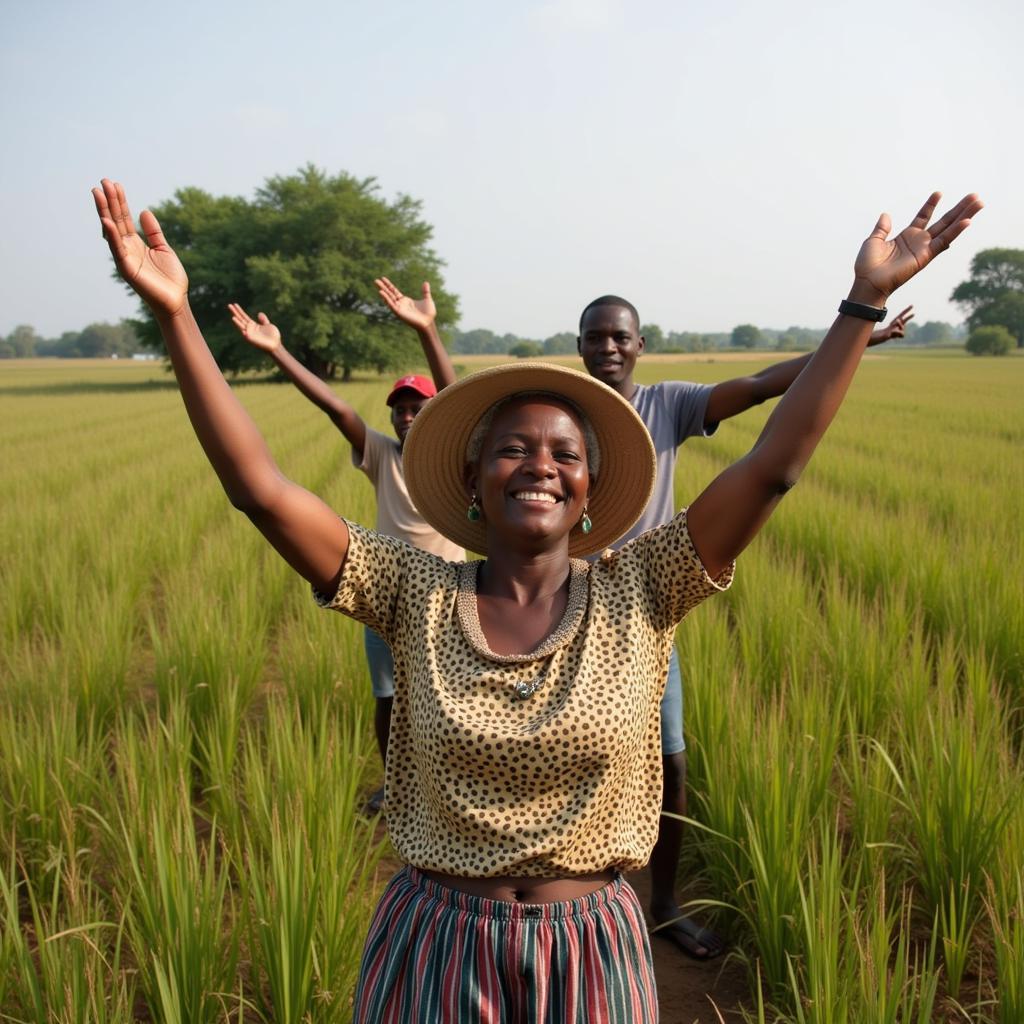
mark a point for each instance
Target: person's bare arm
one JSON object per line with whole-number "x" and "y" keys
{"x": 307, "y": 534}
{"x": 737, "y": 503}
{"x": 420, "y": 315}
{"x": 262, "y": 334}
{"x": 731, "y": 397}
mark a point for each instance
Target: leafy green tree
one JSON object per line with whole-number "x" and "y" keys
{"x": 745, "y": 336}
{"x": 994, "y": 293}
{"x": 561, "y": 344}
{"x": 305, "y": 250}
{"x": 993, "y": 340}
{"x": 654, "y": 337}
{"x": 526, "y": 350}
{"x": 479, "y": 341}
{"x": 931, "y": 332}
{"x": 106, "y": 340}
{"x": 22, "y": 342}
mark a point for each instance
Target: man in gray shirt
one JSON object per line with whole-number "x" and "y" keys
{"x": 610, "y": 343}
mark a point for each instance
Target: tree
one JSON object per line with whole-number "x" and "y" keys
{"x": 479, "y": 341}
{"x": 932, "y": 332}
{"x": 653, "y": 336}
{"x": 22, "y": 342}
{"x": 306, "y": 251}
{"x": 745, "y": 336}
{"x": 990, "y": 341}
{"x": 561, "y": 344}
{"x": 106, "y": 340}
{"x": 994, "y": 293}
{"x": 526, "y": 350}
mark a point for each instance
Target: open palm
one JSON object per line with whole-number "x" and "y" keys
{"x": 885, "y": 263}
{"x": 150, "y": 265}
{"x": 259, "y": 332}
{"x": 417, "y": 313}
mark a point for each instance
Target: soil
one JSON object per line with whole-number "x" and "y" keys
{"x": 689, "y": 991}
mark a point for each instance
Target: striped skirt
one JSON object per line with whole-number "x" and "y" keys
{"x": 438, "y": 955}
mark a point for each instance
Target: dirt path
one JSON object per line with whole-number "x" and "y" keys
{"x": 687, "y": 987}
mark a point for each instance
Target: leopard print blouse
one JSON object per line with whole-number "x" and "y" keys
{"x": 544, "y": 764}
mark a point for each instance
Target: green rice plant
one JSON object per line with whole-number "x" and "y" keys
{"x": 348, "y": 859}
{"x": 180, "y": 910}
{"x": 199, "y": 646}
{"x": 65, "y": 962}
{"x": 859, "y": 657}
{"x": 1005, "y": 907}
{"x": 958, "y": 914}
{"x": 872, "y": 809}
{"x": 320, "y": 657}
{"x": 956, "y": 804}
{"x": 282, "y": 888}
{"x": 300, "y": 780}
{"x": 52, "y": 761}
{"x": 897, "y": 983}
{"x": 96, "y": 650}
{"x": 216, "y": 745}
{"x": 819, "y": 967}
{"x": 152, "y": 755}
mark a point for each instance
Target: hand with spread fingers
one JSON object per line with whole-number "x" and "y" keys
{"x": 883, "y": 263}
{"x": 895, "y": 328}
{"x": 260, "y": 333}
{"x": 150, "y": 265}
{"x": 417, "y": 313}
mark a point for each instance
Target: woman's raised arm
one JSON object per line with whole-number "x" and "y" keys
{"x": 308, "y": 535}
{"x": 737, "y": 503}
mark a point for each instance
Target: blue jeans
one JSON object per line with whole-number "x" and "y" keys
{"x": 380, "y": 664}
{"x": 672, "y": 741}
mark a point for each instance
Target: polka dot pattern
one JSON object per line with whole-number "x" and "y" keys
{"x": 483, "y": 782}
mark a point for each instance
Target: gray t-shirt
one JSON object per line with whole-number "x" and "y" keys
{"x": 672, "y": 411}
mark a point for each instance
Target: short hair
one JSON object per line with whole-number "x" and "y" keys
{"x": 610, "y": 300}
{"x": 476, "y": 439}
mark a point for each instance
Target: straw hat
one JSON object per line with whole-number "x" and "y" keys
{"x": 435, "y": 452}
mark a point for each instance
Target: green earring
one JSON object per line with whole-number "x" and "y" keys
{"x": 585, "y": 523}
{"x": 473, "y": 512}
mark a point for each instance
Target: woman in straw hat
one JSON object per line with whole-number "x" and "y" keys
{"x": 523, "y": 766}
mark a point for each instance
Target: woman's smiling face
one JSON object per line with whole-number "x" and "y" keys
{"x": 532, "y": 477}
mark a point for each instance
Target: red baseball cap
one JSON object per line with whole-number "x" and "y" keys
{"x": 423, "y": 386}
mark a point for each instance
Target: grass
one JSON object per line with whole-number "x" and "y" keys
{"x": 187, "y": 741}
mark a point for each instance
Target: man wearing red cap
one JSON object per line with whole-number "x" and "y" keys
{"x": 377, "y": 455}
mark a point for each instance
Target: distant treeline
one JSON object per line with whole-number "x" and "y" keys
{"x": 743, "y": 336}
{"x": 105, "y": 341}
{"x": 97, "y": 341}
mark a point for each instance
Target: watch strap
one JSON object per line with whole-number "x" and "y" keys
{"x": 862, "y": 311}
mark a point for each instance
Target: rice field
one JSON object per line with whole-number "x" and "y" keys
{"x": 186, "y": 742}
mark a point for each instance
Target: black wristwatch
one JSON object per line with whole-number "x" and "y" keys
{"x": 862, "y": 311}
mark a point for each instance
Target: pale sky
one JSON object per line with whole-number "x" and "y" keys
{"x": 716, "y": 164}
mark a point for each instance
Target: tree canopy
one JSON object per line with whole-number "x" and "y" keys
{"x": 993, "y": 340}
{"x": 745, "y": 335}
{"x": 561, "y": 344}
{"x": 305, "y": 251}
{"x": 526, "y": 350}
{"x": 994, "y": 293}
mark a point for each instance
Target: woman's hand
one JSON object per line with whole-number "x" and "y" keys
{"x": 260, "y": 333}
{"x": 153, "y": 270}
{"x": 883, "y": 264}
{"x": 417, "y": 313}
